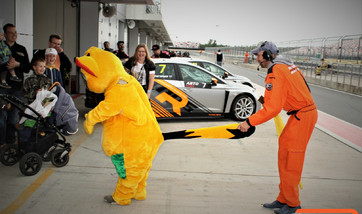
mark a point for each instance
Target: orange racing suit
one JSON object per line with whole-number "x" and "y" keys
{"x": 285, "y": 87}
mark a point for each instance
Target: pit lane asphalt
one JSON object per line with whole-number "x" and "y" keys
{"x": 188, "y": 176}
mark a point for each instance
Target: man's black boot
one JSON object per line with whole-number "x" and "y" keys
{"x": 287, "y": 210}
{"x": 274, "y": 205}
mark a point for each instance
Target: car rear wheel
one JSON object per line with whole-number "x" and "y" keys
{"x": 243, "y": 107}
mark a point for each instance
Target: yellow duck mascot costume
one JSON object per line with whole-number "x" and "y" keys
{"x": 131, "y": 134}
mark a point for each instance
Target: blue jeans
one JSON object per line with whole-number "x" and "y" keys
{"x": 9, "y": 119}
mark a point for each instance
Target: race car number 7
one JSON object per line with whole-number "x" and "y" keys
{"x": 163, "y": 67}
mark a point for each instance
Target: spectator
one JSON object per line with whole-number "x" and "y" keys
{"x": 62, "y": 62}
{"x": 186, "y": 54}
{"x": 142, "y": 68}
{"x": 5, "y": 57}
{"x": 9, "y": 116}
{"x": 120, "y": 52}
{"x": 50, "y": 70}
{"x": 37, "y": 81}
{"x": 219, "y": 58}
{"x": 107, "y": 46}
{"x": 157, "y": 53}
{"x": 172, "y": 54}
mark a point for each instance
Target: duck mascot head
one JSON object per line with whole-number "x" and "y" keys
{"x": 131, "y": 134}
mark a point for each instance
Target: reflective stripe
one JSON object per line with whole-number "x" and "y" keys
{"x": 293, "y": 68}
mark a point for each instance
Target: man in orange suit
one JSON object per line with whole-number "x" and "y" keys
{"x": 285, "y": 88}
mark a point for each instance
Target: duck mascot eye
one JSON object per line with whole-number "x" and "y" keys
{"x": 125, "y": 113}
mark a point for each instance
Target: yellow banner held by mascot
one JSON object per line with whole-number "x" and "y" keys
{"x": 131, "y": 134}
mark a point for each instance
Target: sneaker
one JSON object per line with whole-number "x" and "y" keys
{"x": 4, "y": 85}
{"x": 15, "y": 78}
{"x": 287, "y": 210}
{"x": 109, "y": 199}
{"x": 274, "y": 205}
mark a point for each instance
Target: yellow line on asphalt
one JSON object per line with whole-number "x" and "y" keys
{"x": 25, "y": 195}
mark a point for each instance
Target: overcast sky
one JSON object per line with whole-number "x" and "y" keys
{"x": 241, "y": 22}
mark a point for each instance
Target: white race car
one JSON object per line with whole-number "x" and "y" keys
{"x": 183, "y": 89}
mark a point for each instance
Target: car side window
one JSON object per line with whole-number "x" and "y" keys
{"x": 190, "y": 73}
{"x": 214, "y": 69}
{"x": 165, "y": 71}
{"x": 198, "y": 64}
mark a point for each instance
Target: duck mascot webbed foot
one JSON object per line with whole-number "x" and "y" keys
{"x": 131, "y": 134}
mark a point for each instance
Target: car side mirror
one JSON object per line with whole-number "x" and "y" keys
{"x": 213, "y": 81}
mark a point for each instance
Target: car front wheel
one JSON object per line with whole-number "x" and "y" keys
{"x": 243, "y": 107}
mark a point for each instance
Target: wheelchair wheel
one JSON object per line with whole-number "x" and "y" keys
{"x": 30, "y": 164}
{"x": 9, "y": 154}
{"x": 57, "y": 159}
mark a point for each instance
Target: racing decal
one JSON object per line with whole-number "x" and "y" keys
{"x": 163, "y": 67}
{"x": 161, "y": 74}
{"x": 177, "y": 104}
{"x": 159, "y": 110}
{"x": 168, "y": 97}
{"x": 215, "y": 115}
{"x": 269, "y": 86}
{"x": 191, "y": 84}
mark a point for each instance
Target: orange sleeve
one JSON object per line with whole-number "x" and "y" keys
{"x": 275, "y": 95}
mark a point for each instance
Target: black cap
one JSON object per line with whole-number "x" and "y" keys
{"x": 155, "y": 47}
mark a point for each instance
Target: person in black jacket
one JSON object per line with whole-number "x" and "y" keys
{"x": 219, "y": 58}
{"x": 142, "y": 68}
{"x": 9, "y": 116}
{"x": 157, "y": 53}
{"x": 120, "y": 52}
{"x": 62, "y": 63}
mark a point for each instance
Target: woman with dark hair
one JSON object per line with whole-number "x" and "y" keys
{"x": 142, "y": 68}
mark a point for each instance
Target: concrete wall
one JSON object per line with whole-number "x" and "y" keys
{"x": 19, "y": 13}
{"x": 133, "y": 40}
{"x": 88, "y": 31}
{"x": 56, "y": 17}
{"x": 7, "y": 12}
{"x": 112, "y": 29}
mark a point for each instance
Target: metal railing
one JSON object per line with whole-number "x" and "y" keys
{"x": 343, "y": 55}
{"x": 344, "y": 77}
{"x": 338, "y": 49}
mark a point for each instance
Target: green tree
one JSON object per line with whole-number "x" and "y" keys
{"x": 211, "y": 43}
